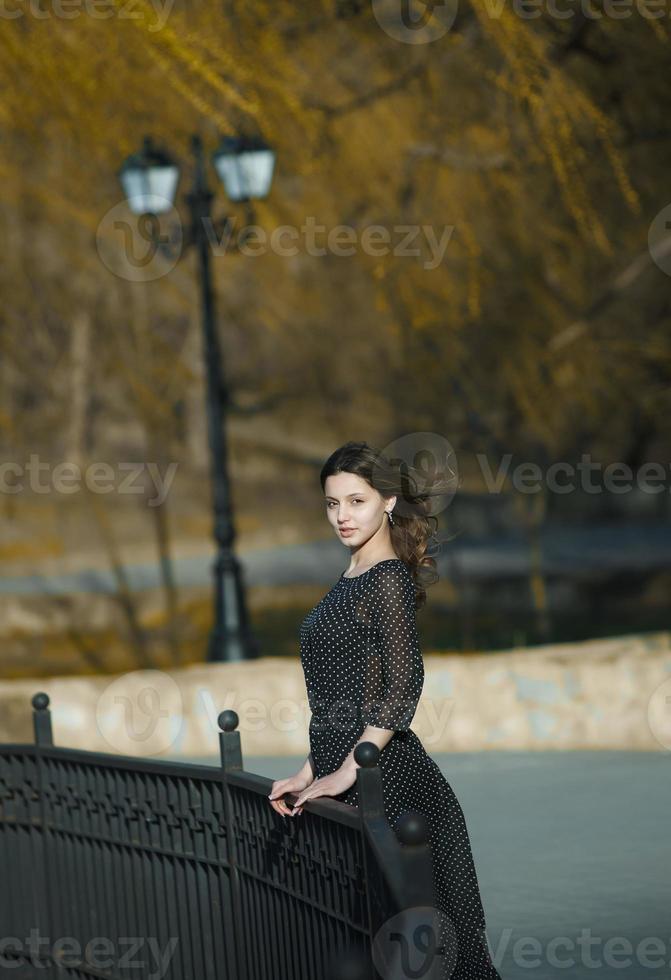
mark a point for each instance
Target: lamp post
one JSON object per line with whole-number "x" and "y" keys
{"x": 149, "y": 179}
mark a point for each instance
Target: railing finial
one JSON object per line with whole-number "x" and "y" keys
{"x": 412, "y": 828}
{"x": 42, "y": 719}
{"x": 366, "y": 754}
{"x": 229, "y": 740}
{"x": 228, "y": 720}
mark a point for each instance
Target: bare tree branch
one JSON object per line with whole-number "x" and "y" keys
{"x": 367, "y": 98}
{"x": 621, "y": 283}
{"x": 459, "y": 159}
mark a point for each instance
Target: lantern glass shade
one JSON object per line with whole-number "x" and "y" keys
{"x": 245, "y": 167}
{"x": 149, "y": 180}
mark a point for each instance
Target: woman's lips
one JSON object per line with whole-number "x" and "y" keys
{"x": 346, "y": 531}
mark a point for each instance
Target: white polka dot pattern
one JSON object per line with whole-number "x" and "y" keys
{"x": 363, "y": 665}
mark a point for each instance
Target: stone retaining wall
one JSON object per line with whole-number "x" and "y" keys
{"x": 599, "y": 694}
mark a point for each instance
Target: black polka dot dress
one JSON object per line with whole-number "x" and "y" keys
{"x": 363, "y": 665}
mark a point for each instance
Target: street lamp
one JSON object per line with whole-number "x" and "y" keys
{"x": 149, "y": 180}
{"x": 245, "y": 167}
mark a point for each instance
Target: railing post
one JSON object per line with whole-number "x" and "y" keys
{"x": 229, "y": 741}
{"x": 369, "y": 780}
{"x": 412, "y": 830}
{"x": 231, "y": 760}
{"x": 42, "y": 719}
{"x": 422, "y": 913}
{"x": 371, "y": 809}
{"x": 41, "y": 884}
{"x": 400, "y": 938}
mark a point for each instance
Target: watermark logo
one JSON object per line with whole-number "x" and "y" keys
{"x": 141, "y": 710}
{"x": 659, "y": 713}
{"x": 417, "y": 942}
{"x": 415, "y": 21}
{"x": 427, "y": 465}
{"x": 136, "y": 247}
{"x": 659, "y": 240}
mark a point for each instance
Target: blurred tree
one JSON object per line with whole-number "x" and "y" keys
{"x": 532, "y": 139}
{"x": 520, "y": 161}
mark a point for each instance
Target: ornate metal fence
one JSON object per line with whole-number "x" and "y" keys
{"x": 118, "y": 867}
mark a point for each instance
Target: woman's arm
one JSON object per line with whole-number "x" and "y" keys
{"x": 380, "y": 736}
{"x": 308, "y": 769}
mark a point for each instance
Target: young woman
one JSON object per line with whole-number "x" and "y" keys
{"x": 364, "y": 674}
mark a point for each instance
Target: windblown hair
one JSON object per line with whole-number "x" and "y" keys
{"x": 414, "y": 526}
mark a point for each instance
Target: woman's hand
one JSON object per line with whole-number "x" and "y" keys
{"x": 331, "y": 785}
{"x": 293, "y": 784}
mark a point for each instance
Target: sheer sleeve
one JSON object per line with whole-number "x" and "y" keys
{"x": 395, "y": 666}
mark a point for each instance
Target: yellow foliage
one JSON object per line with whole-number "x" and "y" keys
{"x": 486, "y": 130}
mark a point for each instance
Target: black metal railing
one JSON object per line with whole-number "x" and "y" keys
{"x": 118, "y": 867}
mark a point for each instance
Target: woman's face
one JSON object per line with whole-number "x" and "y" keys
{"x": 354, "y": 508}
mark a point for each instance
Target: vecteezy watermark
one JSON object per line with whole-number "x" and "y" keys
{"x": 97, "y": 477}
{"x": 146, "y": 709}
{"x": 424, "y": 467}
{"x": 566, "y": 9}
{"x": 289, "y": 716}
{"x": 100, "y": 953}
{"x": 584, "y": 950}
{"x": 424, "y": 21}
{"x": 564, "y": 477}
{"x": 95, "y": 9}
{"x": 143, "y": 708}
{"x": 312, "y": 238}
{"x": 141, "y": 248}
